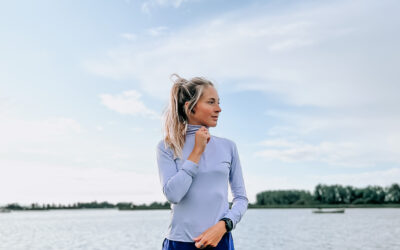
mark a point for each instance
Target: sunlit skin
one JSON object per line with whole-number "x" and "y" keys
{"x": 206, "y": 109}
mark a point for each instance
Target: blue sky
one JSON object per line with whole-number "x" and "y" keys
{"x": 308, "y": 89}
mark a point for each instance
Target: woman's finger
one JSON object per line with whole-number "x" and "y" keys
{"x": 200, "y": 244}
{"x": 198, "y": 237}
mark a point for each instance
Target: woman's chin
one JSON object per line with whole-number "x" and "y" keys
{"x": 213, "y": 124}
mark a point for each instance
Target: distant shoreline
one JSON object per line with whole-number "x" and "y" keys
{"x": 251, "y": 206}
{"x": 327, "y": 206}
{"x": 324, "y": 196}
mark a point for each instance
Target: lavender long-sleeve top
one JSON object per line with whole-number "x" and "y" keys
{"x": 198, "y": 193}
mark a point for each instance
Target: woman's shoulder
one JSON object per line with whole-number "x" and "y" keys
{"x": 224, "y": 140}
{"x": 161, "y": 145}
{"x": 163, "y": 148}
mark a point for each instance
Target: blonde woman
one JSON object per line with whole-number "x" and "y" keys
{"x": 195, "y": 168}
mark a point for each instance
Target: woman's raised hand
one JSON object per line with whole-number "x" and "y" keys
{"x": 202, "y": 138}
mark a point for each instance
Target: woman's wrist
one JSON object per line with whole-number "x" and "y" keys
{"x": 195, "y": 156}
{"x": 222, "y": 226}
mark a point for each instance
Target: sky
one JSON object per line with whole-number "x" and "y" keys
{"x": 308, "y": 89}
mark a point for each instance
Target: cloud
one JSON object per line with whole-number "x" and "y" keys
{"x": 334, "y": 153}
{"x": 148, "y": 4}
{"x": 353, "y": 138}
{"x": 337, "y": 73}
{"x": 304, "y": 54}
{"x": 62, "y": 141}
{"x": 55, "y": 129}
{"x": 129, "y": 36}
{"x": 7, "y": 106}
{"x": 382, "y": 178}
{"x": 128, "y": 103}
{"x": 66, "y": 184}
{"x": 157, "y": 31}
{"x": 99, "y": 128}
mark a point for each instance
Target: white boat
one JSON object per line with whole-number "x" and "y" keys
{"x": 321, "y": 211}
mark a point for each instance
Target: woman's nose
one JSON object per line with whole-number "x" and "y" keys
{"x": 219, "y": 108}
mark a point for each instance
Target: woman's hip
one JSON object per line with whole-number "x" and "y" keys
{"x": 226, "y": 243}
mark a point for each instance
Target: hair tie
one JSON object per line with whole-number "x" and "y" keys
{"x": 181, "y": 82}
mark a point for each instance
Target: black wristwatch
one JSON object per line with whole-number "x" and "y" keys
{"x": 228, "y": 224}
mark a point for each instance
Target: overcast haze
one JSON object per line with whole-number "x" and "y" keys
{"x": 308, "y": 89}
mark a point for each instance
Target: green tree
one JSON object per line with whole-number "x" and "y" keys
{"x": 393, "y": 193}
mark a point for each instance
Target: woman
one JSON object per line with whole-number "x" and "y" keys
{"x": 195, "y": 169}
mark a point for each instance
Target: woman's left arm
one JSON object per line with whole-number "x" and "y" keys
{"x": 240, "y": 201}
{"x": 213, "y": 235}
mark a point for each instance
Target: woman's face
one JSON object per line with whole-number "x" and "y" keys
{"x": 207, "y": 109}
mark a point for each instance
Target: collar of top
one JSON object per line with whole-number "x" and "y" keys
{"x": 191, "y": 129}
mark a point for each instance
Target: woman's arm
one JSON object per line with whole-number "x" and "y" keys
{"x": 175, "y": 183}
{"x": 240, "y": 201}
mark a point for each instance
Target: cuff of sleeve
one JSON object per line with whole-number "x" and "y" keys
{"x": 230, "y": 216}
{"x": 190, "y": 167}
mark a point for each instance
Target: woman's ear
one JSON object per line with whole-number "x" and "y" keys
{"x": 186, "y": 104}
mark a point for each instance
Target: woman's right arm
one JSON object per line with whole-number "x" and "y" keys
{"x": 176, "y": 182}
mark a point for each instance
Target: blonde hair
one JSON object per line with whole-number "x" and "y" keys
{"x": 175, "y": 117}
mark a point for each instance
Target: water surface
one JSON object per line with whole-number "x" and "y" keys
{"x": 283, "y": 229}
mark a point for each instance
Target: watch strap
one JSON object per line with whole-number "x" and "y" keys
{"x": 228, "y": 224}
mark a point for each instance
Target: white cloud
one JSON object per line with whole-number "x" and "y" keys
{"x": 64, "y": 141}
{"x": 59, "y": 160}
{"x": 382, "y": 178}
{"x": 137, "y": 129}
{"x": 128, "y": 103}
{"x": 353, "y": 138}
{"x": 334, "y": 153}
{"x": 129, "y": 36}
{"x": 306, "y": 55}
{"x": 157, "y": 31}
{"x": 277, "y": 143}
{"x": 99, "y": 128}
{"x": 337, "y": 73}
{"x": 20, "y": 132}
{"x": 148, "y": 4}
{"x": 5, "y": 106}
{"x": 66, "y": 184}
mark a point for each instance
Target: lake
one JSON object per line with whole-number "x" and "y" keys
{"x": 283, "y": 229}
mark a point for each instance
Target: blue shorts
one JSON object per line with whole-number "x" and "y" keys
{"x": 226, "y": 243}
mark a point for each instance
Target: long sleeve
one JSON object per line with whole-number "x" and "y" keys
{"x": 175, "y": 182}
{"x": 240, "y": 201}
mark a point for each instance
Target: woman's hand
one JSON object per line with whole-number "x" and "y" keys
{"x": 202, "y": 137}
{"x": 211, "y": 236}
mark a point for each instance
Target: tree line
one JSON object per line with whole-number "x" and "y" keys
{"x": 88, "y": 205}
{"x": 332, "y": 194}
{"x": 322, "y": 195}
